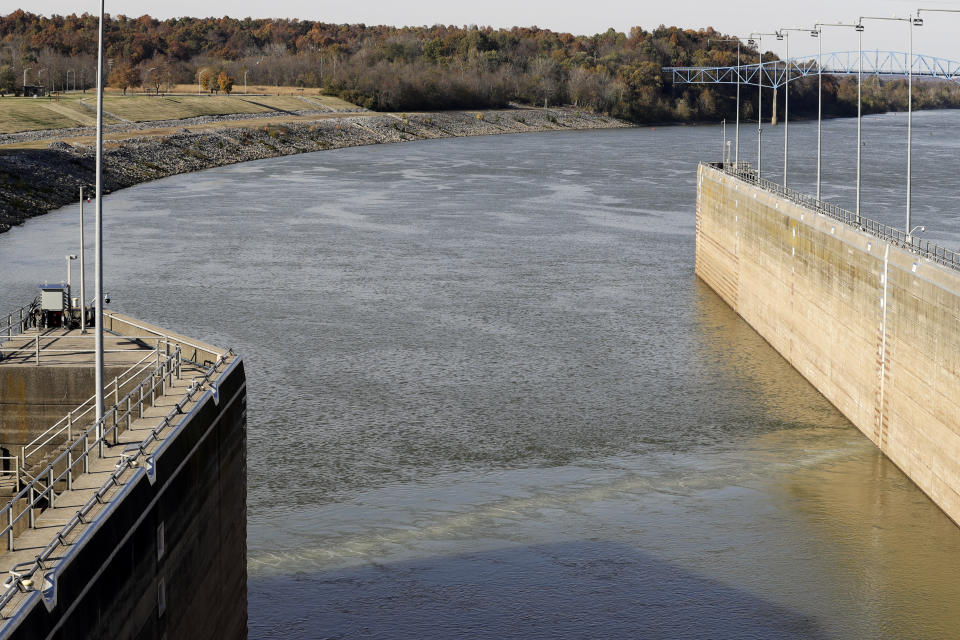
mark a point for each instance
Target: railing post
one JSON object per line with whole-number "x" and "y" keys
{"x": 115, "y": 433}
{"x": 50, "y": 485}
{"x": 70, "y": 426}
{"x": 37, "y": 338}
{"x": 10, "y": 528}
{"x": 70, "y": 469}
{"x": 86, "y": 454}
{"x": 179, "y": 363}
{"x": 140, "y": 404}
{"x": 30, "y": 516}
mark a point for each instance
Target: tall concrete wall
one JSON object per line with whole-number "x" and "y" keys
{"x": 32, "y": 399}
{"x": 875, "y": 328}
{"x": 169, "y": 559}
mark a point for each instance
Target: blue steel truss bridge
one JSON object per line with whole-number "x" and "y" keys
{"x": 777, "y": 73}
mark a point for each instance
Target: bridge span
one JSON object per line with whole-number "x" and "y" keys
{"x": 777, "y": 73}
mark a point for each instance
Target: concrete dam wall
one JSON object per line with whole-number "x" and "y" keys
{"x": 874, "y": 327}
{"x": 133, "y": 526}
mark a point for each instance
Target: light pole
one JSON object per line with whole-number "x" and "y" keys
{"x": 784, "y": 34}
{"x": 816, "y": 33}
{"x": 245, "y": 72}
{"x": 736, "y": 156}
{"x": 68, "y": 258}
{"x": 83, "y": 279}
{"x": 911, "y": 22}
{"x": 148, "y": 77}
{"x": 859, "y": 30}
{"x": 98, "y": 227}
{"x": 759, "y": 38}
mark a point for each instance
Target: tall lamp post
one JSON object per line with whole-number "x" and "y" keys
{"x": 68, "y": 258}
{"x": 911, "y": 22}
{"x": 758, "y": 37}
{"x": 736, "y": 156}
{"x": 25, "y": 69}
{"x": 83, "y": 279}
{"x": 147, "y": 77}
{"x": 784, "y": 34}
{"x": 98, "y": 229}
{"x": 816, "y": 33}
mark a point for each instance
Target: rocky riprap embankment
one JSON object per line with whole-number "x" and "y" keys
{"x": 33, "y": 182}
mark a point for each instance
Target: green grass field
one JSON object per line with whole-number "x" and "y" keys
{"x": 31, "y": 114}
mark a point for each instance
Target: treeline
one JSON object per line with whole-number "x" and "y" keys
{"x": 425, "y": 68}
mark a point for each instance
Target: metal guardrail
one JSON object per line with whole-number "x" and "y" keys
{"x": 897, "y": 237}
{"x": 198, "y": 349}
{"x": 21, "y": 579}
{"x": 65, "y": 426}
{"x": 40, "y": 492}
{"x": 20, "y": 320}
{"x": 13, "y": 470}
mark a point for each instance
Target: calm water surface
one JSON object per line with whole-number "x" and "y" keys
{"x": 490, "y": 399}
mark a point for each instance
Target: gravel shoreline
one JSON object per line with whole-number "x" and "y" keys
{"x": 35, "y": 181}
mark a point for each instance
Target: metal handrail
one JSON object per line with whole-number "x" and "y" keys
{"x": 897, "y": 237}
{"x": 167, "y": 337}
{"x": 75, "y": 415}
{"x": 14, "y": 469}
{"x": 41, "y": 489}
{"x": 21, "y": 575}
{"x": 25, "y": 316}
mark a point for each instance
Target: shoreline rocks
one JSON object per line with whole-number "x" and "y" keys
{"x": 35, "y": 181}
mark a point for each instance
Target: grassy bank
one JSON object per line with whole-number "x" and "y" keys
{"x": 79, "y": 110}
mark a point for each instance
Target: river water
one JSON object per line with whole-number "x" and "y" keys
{"x": 489, "y": 398}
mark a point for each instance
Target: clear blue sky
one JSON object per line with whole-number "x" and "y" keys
{"x": 937, "y": 37}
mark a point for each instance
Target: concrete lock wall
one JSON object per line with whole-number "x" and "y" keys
{"x": 33, "y": 398}
{"x": 168, "y": 560}
{"x": 873, "y": 327}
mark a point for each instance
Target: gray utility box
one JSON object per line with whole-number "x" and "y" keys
{"x": 54, "y": 297}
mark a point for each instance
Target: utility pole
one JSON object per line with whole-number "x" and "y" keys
{"x": 83, "y": 280}
{"x": 98, "y": 227}
{"x": 759, "y": 38}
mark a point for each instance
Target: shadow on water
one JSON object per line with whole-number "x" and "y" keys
{"x": 583, "y": 589}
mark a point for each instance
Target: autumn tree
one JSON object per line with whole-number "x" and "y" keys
{"x": 206, "y": 79}
{"x": 123, "y": 76}
{"x": 8, "y": 80}
{"x": 225, "y": 82}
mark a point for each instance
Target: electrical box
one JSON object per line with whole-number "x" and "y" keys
{"x": 54, "y": 297}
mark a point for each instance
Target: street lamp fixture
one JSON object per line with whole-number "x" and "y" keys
{"x": 736, "y": 156}
{"x": 98, "y": 232}
{"x": 818, "y": 28}
{"x": 911, "y": 21}
{"x": 148, "y": 77}
{"x": 759, "y": 38}
{"x": 68, "y": 258}
{"x": 784, "y": 34}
